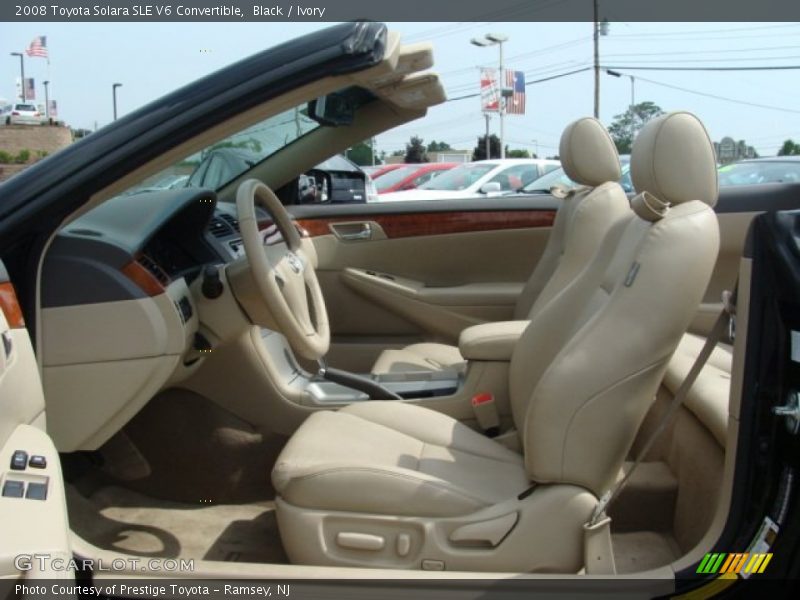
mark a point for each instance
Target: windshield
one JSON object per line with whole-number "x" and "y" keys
{"x": 390, "y": 178}
{"x": 221, "y": 162}
{"x": 459, "y": 178}
{"x": 751, "y": 173}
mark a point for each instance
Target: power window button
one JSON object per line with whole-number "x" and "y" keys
{"x": 37, "y": 491}
{"x": 13, "y": 489}
{"x": 19, "y": 460}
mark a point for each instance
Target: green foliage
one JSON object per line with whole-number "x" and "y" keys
{"x": 435, "y": 146}
{"x": 361, "y": 154}
{"x": 5, "y": 158}
{"x": 23, "y": 157}
{"x": 415, "y": 151}
{"x": 789, "y": 148}
{"x": 625, "y": 126}
{"x": 479, "y": 152}
{"x": 519, "y": 153}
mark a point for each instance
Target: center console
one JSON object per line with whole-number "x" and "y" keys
{"x": 318, "y": 391}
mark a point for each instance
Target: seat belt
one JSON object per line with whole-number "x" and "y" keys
{"x": 598, "y": 551}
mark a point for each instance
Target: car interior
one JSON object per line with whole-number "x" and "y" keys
{"x": 415, "y": 387}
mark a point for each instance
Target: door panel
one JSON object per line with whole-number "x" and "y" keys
{"x": 465, "y": 266}
{"x": 33, "y": 514}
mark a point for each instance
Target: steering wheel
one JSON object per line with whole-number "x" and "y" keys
{"x": 284, "y": 276}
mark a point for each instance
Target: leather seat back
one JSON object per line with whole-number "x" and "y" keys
{"x": 589, "y": 158}
{"x": 587, "y": 368}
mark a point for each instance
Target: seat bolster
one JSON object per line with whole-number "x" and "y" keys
{"x": 419, "y": 357}
{"x": 383, "y": 490}
{"x": 432, "y": 427}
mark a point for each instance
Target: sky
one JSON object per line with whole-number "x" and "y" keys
{"x": 152, "y": 59}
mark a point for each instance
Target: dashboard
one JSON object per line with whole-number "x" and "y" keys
{"x": 119, "y": 306}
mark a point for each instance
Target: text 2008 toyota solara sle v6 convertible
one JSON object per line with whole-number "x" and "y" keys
{"x": 588, "y": 383}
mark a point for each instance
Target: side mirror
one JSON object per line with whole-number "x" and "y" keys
{"x": 491, "y": 187}
{"x": 313, "y": 187}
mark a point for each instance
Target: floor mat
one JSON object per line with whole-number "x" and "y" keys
{"x": 642, "y": 550}
{"x": 117, "y": 519}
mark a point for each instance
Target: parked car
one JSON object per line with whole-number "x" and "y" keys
{"x": 335, "y": 180}
{"x": 376, "y": 171}
{"x": 483, "y": 177}
{"x": 24, "y": 113}
{"x": 409, "y": 177}
{"x": 555, "y": 177}
{"x": 778, "y": 169}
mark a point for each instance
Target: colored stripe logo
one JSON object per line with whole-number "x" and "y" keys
{"x": 743, "y": 562}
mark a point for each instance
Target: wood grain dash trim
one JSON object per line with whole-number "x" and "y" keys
{"x": 440, "y": 223}
{"x": 10, "y": 306}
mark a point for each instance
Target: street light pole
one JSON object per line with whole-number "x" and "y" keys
{"x": 486, "y": 139}
{"x": 114, "y": 96}
{"x": 22, "y": 74}
{"x": 633, "y": 98}
{"x": 502, "y": 106}
{"x": 46, "y": 102}
{"x": 596, "y": 38}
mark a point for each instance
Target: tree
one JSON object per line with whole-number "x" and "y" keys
{"x": 789, "y": 148}
{"x": 519, "y": 153}
{"x": 479, "y": 152}
{"x": 361, "y": 154}
{"x": 435, "y": 146}
{"x": 631, "y": 121}
{"x": 415, "y": 150}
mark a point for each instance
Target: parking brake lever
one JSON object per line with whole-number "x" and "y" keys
{"x": 371, "y": 388}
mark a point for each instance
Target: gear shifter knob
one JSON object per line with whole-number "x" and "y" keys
{"x": 212, "y": 284}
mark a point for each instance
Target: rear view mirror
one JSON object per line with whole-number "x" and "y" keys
{"x": 491, "y": 187}
{"x": 333, "y": 110}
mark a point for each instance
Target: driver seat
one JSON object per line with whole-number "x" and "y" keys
{"x": 590, "y": 159}
{"x": 391, "y": 484}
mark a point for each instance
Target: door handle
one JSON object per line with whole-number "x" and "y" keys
{"x": 352, "y": 232}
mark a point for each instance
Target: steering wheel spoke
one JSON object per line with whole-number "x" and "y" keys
{"x": 283, "y": 274}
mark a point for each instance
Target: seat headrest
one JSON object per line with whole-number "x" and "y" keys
{"x": 588, "y": 153}
{"x": 673, "y": 159}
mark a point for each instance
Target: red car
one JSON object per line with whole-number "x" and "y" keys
{"x": 408, "y": 177}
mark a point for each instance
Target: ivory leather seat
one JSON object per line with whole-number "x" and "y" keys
{"x": 397, "y": 485}
{"x": 590, "y": 159}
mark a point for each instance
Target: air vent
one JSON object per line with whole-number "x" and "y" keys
{"x": 220, "y": 228}
{"x": 230, "y": 220}
{"x": 156, "y": 271}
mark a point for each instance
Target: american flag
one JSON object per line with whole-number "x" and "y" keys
{"x": 38, "y": 47}
{"x": 515, "y": 104}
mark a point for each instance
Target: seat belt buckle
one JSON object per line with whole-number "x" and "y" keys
{"x": 485, "y": 409}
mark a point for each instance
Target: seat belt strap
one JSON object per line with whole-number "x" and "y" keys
{"x": 597, "y": 531}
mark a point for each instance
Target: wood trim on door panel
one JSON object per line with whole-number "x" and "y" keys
{"x": 413, "y": 225}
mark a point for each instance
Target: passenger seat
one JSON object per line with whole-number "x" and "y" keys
{"x": 589, "y": 157}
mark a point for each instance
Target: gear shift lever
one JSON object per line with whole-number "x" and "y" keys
{"x": 373, "y": 389}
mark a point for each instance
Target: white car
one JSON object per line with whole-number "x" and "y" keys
{"x": 483, "y": 177}
{"x": 23, "y": 113}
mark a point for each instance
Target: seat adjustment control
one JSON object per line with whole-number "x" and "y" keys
{"x": 360, "y": 541}
{"x": 19, "y": 460}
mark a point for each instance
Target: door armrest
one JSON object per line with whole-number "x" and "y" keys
{"x": 491, "y": 341}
